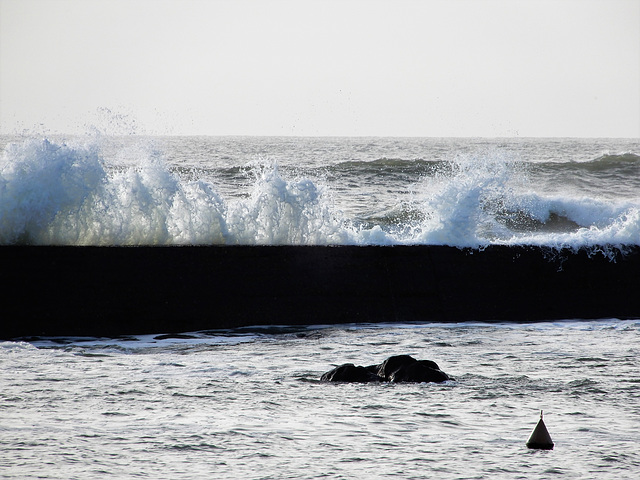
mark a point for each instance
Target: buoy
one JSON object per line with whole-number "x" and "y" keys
{"x": 540, "y": 437}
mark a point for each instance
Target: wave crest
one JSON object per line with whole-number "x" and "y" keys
{"x": 61, "y": 194}
{"x": 57, "y": 193}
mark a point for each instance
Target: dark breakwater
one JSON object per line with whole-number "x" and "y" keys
{"x": 112, "y": 291}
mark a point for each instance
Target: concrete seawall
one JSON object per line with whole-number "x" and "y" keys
{"x": 111, "y": 291}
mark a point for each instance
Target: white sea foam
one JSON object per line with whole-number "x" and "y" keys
{"x": 61, "y": 194}
{"x": 285, "y": 212}
{"x": 67, "y": 193}
{"x": 41, "y": 181}
{"x": 488, "y": 199}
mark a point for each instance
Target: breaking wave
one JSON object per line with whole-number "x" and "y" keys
{"x": 59, "y": 193}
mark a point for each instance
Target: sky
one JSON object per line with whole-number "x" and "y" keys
{"x": 481, "y": 68}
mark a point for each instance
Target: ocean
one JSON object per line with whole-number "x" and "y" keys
{"x": 247, "y": 402}
{"x": 261, "y": 190}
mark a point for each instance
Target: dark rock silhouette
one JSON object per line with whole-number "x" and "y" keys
{"x": 399, "y": 367}
{"x": 350, "y": 373}
{"x": 396, "y": 369}
{"x": 419, "y": 372}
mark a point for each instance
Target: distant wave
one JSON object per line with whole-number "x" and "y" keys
{"x": 604, "y": 162}
{"x": 390, "y": 167}
{"x": 617, "y": 158}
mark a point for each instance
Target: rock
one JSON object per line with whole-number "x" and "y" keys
{"x": 373, "y": 369}
{"x": 399, "y": 368}
{"x": 350, "y": 373}
{"x": 419, "y": 371}
{"x": 394, "y": 363}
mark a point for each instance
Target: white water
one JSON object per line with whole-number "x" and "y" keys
{"x": 96, "y": 192}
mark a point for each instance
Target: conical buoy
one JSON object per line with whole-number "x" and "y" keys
{"x": 540, "y": 437}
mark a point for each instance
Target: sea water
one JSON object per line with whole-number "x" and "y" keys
{"x": 248, "y": 403}
{"x": 236, "y": 190}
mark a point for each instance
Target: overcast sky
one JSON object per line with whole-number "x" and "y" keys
{"x": 398, "y": 68}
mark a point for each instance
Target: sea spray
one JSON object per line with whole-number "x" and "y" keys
{"x": 62, "y": 194}
{"x": 129, "y": 191}
{"x": 468, "y": 203}
{"x": 280, "y": 212}
{"x": 41, "y": 180}
{"x": 487, "y": 198}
